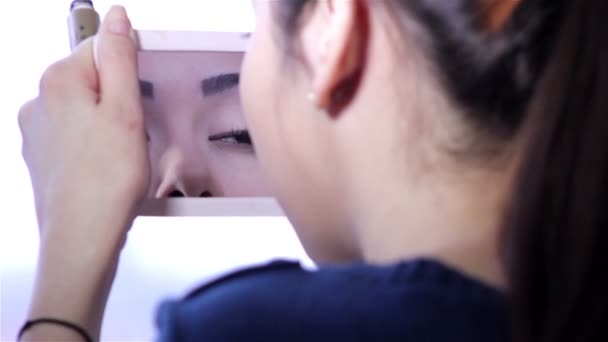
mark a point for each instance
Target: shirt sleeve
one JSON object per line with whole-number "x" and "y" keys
{"x": 281, "y": 301}
{"x": 234, "y": 307}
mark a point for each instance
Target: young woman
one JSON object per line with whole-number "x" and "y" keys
{"x": 198, "y": 141}
{"x": 444, "y": 162}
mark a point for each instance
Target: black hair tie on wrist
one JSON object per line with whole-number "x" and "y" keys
{"x": 54, "y": 321}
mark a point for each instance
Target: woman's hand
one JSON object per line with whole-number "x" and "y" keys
{"x": 85, "y": 147}
{"x": 83, "y": 137}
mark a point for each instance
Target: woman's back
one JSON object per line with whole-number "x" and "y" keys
{"x": 420, "y": 300}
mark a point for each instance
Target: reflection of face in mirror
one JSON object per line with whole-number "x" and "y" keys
{"x": 198, "y": 140}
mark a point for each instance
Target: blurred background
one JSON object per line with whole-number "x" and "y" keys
{"x": 164, "y": 257}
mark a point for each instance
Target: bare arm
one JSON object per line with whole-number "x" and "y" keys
{"x": 84, "y": 144}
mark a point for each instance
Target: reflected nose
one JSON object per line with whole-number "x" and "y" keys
{"x": 178, "y": 193}
{"x": 183, "y": 178}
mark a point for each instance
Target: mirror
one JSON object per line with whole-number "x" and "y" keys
{"x": 198, "y": 141}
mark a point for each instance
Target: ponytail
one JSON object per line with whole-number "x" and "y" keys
{"x": 556, "y": 231}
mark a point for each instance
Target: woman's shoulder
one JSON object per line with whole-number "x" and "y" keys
{"x": 283, "y": 301}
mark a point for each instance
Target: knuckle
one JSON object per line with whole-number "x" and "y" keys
{"x": 54, "y": 77}
{"x": 24, "y": 151}
{"x": 24, "y": 114}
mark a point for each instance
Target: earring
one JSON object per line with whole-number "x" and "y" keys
{"x": 312, "y": 97}
{"x": 314, "y": 100}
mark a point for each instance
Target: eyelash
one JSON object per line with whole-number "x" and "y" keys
{"x": 235, "y": 136}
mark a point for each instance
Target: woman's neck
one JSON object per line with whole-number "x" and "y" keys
{"x": 455, "y": 222}
{"x": 406, "y": 196}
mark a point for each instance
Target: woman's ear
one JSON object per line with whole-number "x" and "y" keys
{"x": 340, "y": 54}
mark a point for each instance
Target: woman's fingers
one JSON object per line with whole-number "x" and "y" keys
{"x": 102, "y": 68}
{"x": 116, "y": 58}
{"x": 88, "y": 119}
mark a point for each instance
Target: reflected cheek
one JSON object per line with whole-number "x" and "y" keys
{"x": 157, "y": 144}
{"x": 155, "y": 176}
{"x": 241, "y": 176}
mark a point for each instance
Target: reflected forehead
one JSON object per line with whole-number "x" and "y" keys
{"x": 153, "y": 64}
{"x": 207, "y": 72}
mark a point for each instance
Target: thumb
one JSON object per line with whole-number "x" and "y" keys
{"x": 116, "y": 58}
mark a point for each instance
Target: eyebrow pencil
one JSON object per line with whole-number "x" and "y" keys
{"x": 83, "y": 21}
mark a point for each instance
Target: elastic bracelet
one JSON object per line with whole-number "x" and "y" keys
{"x": 29, "y": 324}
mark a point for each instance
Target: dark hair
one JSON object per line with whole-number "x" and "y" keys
{"x": 543, "y": 73}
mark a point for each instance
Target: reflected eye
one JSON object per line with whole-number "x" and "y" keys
{"x": 237, "y": 137}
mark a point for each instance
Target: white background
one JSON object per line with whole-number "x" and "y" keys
{"x": 164, "y": 256}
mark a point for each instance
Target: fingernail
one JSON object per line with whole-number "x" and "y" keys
{"x": 117, "y": 21}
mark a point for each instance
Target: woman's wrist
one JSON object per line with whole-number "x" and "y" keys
{"x": 50, "y": 329}
{"x": 75, "y": 274}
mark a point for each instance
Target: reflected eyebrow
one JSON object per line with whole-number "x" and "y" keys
{"x": 220, "y": 83}
{"x": 146, "y": 88}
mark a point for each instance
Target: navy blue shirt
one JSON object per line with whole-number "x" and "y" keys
{"x": 419, "y": 300}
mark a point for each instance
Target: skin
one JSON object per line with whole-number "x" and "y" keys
{"x": 192, "y": 150}
{"x": 378, "y": 186}
{"x": 430, "y": 203}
